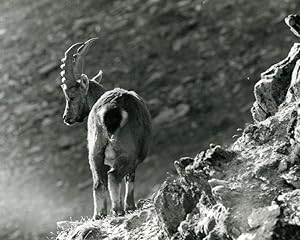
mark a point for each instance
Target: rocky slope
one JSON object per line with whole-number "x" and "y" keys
{"x": 250, "y": 190}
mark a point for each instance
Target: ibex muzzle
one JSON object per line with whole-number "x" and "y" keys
{"x": 119, "y": 130}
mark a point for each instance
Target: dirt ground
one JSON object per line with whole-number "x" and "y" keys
{"x": 194, "y": 62}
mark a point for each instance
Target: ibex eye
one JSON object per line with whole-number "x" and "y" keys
{"x": 75, "y": 57}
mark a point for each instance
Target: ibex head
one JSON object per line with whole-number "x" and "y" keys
{"x": 75, "y": 84}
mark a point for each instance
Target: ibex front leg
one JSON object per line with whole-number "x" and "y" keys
{"x": 129, "y": 192}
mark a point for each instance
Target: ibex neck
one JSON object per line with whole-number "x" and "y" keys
{"x": 94, "y": 93}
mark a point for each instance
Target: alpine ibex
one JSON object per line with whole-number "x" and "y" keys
{"x": 119, "y": 130}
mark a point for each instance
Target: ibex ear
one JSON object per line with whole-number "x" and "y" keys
{"x": 98, "y": 77}
{"x": 84, "y": 83}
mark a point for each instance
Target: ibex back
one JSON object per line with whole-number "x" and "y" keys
{"x": 119, "y": 130}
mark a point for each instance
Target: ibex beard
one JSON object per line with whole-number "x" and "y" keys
{"x": 119, "y": 131}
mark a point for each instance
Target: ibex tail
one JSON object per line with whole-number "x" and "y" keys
{"x": 113, "y": 119}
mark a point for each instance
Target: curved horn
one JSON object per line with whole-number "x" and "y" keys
{"x": 81, "y": 52}
{"x": 67, "y": 73}
{"x": 73, "y": 62}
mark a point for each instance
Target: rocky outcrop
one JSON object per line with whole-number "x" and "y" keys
{"x": 270, "y": 91}
{"x": 250, "y": 190}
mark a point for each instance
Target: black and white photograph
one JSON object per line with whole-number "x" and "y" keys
{"x": 150, "y": 120}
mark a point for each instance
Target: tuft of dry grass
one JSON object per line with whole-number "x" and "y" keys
{"x": 141, "y": 224}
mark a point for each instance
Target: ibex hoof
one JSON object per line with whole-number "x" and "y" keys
{"x": 130, "y": 209}
{"x": 98, "y": 217}
{"x": 118, "y": 212}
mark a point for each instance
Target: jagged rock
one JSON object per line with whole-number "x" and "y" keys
{"x": 290, "y": 204}
{"x": 258, "y": 113}
{"x": 192, "y": 187}
{"x": 274, "y": 222}
{"x": 172, "y": 204}
{"x": 292, "y": 177}
{"x": 261, "y": 133}
{"x": 261, "y": 215}
{"x": 283, "y": 148}
{"x": 270, "y": 91}
{"x": 215, "y": 155}
{"x": 179, "y": 197}
{"x": 193, "y": 180}
{"x": 262, "y": 221}
{"x": 211, "y": 160}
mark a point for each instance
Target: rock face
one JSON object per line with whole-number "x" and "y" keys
{"x": 249, "y": 191}
{"x": 270, "y": 91}
{"x": 171, "y": 205}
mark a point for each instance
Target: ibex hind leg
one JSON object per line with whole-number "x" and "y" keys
{"x": 129, "y": 192}
{"x": 114, "y": 187}
{"x": 100, "y": 192}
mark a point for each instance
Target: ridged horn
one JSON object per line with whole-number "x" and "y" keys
{"x": 73, "y": 62}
